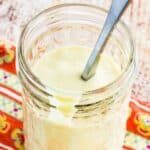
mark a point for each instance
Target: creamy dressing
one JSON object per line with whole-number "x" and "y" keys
{"x": 61, "y": 68}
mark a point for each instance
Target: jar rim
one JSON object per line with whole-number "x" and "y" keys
{"x": 49, "y": 90}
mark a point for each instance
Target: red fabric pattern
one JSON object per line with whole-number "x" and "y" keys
{"x": 139, "y": 121}
{"x": 11, "y": 134}
{"x": 8, "y": 126}
{"x": 11, "y": 66}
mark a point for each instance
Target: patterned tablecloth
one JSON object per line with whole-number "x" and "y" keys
{"x": 11, "y": 134}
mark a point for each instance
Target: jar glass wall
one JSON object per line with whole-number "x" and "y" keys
{"x": 100, "y": 117}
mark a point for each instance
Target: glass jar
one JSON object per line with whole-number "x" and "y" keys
{"x": 100, "y": 118}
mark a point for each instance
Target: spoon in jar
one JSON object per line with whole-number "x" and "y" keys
{"x": 117, "y": 7}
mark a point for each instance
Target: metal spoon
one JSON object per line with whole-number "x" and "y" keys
{"x": 117, "y": 7}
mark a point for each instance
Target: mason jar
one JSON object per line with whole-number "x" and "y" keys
{"x": 99, "y": 121}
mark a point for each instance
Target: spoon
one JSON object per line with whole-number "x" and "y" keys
{"x": 117, "y": 7}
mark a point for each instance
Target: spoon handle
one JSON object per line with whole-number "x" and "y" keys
{"x": 114, "y": 14}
